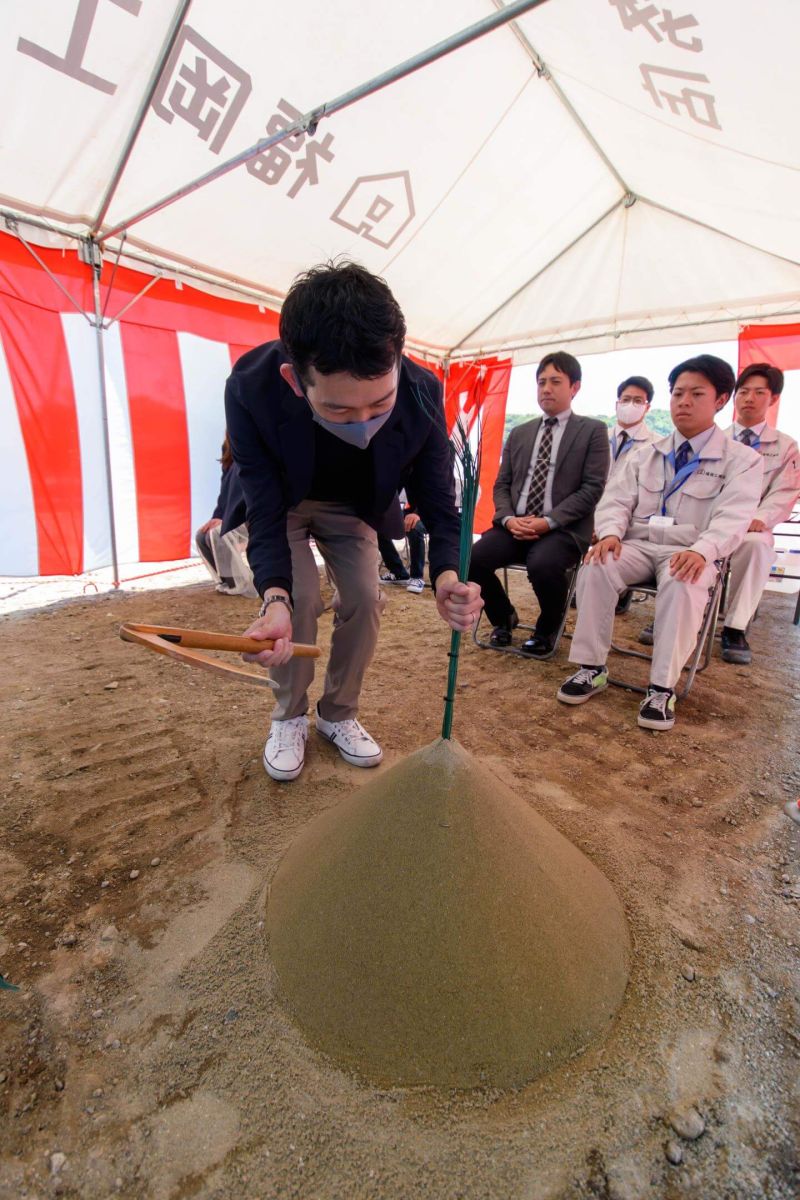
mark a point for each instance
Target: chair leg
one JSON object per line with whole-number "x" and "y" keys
{"x": 484, "y": 645}
{"x": 704, "y": 646}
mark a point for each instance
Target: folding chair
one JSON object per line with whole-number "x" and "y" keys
{"x": 486, "y": 645}
{"x": 701, "y": 656}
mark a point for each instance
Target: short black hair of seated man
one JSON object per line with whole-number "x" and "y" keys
{"x": 718, "y": 373}
{"x": 773, "y": 376}
{"x": 637, "y": 381}
{"x": 551, "y": 477}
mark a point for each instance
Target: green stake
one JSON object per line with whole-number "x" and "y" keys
{"x": 469, "y": 465}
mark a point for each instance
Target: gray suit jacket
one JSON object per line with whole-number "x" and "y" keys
{"x": 580, "y": 474}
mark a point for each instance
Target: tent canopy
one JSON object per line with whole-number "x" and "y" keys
{"x": 601, "y": 173}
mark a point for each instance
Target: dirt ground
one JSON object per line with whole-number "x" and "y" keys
{"x": 147, "y": 1053}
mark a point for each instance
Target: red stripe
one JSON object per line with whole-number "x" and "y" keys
{"x": 236, "y": 350}
{"x": 775, "y": 344}
{"x": 40, "y": 375}
{"x": 160, "y": 441}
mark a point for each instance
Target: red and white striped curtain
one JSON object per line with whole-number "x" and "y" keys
{"x": 167, "y": 360}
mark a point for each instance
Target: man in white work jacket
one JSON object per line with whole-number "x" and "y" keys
{"x": 630, "y": 431}
{"x": 676, "y": 508}
{"x": 758, "y": 389}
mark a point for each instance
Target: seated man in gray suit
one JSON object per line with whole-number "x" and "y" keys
{"x": 551, "y": 477}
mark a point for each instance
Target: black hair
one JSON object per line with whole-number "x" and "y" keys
{"x": 773, "y": 376}
{"x": 563, "y": 362}
{"x": 637, "y": 381}
{"x": 339, "y": 317}
{"x": 718, "y": 373}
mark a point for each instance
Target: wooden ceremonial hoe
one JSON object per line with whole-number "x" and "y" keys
{"x": 183, "y": 644}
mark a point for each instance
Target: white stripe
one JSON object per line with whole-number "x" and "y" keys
{"x": 205, "y": 366}
{"x": 19, "y": 551}
{"x": 82, "y": 349}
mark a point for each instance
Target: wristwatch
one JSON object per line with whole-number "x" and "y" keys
{"x": 274, "y": 599}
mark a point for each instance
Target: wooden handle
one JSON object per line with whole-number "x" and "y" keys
{"x": 203, "y": 639}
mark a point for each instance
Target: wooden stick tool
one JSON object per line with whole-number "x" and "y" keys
{"x": 184, "y": 644}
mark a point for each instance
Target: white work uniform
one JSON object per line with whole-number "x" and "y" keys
{"x": 711, "y": 512}
{"x": 638, "y": 436}
{"x": 752, "y": 561}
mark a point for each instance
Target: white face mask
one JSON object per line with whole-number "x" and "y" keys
{"x": 355, "y": 433}
{"x": 630, "y": 414}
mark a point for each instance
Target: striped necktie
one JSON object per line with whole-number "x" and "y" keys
{"x": 747, "y": 437}
{"x": 535, "y": 503}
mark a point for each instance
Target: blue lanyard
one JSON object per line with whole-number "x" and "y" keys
{"x": 680, "y": 478}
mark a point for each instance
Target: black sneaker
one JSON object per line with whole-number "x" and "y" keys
{"x": 657, "y": 710}
{"x": 623, "y": 604}
{"x": 584, "y": 684}
{"x": 501, "y": 634}
{"x": 646, "y": 636}
{"x": 735, "y": 648}
{"x": 390, "y": 577}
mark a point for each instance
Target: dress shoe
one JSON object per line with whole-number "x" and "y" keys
{"x": 539, "y": 645}
{"x": 501, "y": 634}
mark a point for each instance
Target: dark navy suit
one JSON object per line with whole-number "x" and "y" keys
{"x": 272, "y": 436}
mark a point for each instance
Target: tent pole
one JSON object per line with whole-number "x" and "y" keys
{"x": 177, "y": 22}
{"x": 310, "y": 120}
{"x": 94, "y": 257}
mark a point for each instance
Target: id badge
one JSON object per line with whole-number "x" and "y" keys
{"x": 661, "y": 522}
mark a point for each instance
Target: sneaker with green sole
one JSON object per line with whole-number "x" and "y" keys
{"x": 657, "y": 710}
{"x": 584, "y": 684}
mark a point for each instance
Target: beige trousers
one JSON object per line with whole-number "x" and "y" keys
{"x": 750, "y": 568}
{"x": 350, "y": 549}
{"x": 679, "y": 608}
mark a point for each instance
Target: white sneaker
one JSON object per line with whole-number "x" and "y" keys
{"x": 416, "y": 586}
{"x": 351, "y": 740}
{"x": 285, "y": 751}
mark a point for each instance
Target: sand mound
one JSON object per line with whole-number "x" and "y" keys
{"x": 433, "y": 929}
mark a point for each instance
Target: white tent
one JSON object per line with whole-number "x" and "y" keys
{"x": 600, "y": 173}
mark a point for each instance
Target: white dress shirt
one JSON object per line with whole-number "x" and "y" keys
{"x": 756, "y": 429}
{"x": 558, "y": 433}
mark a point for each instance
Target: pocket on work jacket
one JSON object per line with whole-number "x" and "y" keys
{"x": 695, "y": 500}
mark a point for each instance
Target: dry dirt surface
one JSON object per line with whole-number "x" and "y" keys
{"x": 148, "y": 1053}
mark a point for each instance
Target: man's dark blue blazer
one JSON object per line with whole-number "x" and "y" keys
{"x": 271, "y": 432}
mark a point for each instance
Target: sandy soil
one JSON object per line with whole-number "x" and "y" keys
{"x": 147, "y": 1053}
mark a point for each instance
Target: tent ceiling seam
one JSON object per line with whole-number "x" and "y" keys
{"x": 792, "y": 262}
{"x": 541, "y": 271}
{"x": 473, "y": 158}
{"x": 616, "y": 333}
{"x": 544, "y": 72}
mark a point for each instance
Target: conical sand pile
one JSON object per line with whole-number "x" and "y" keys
{"x": 433, "y": 929}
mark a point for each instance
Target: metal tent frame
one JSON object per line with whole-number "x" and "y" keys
{"x": 93, "y": 244}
